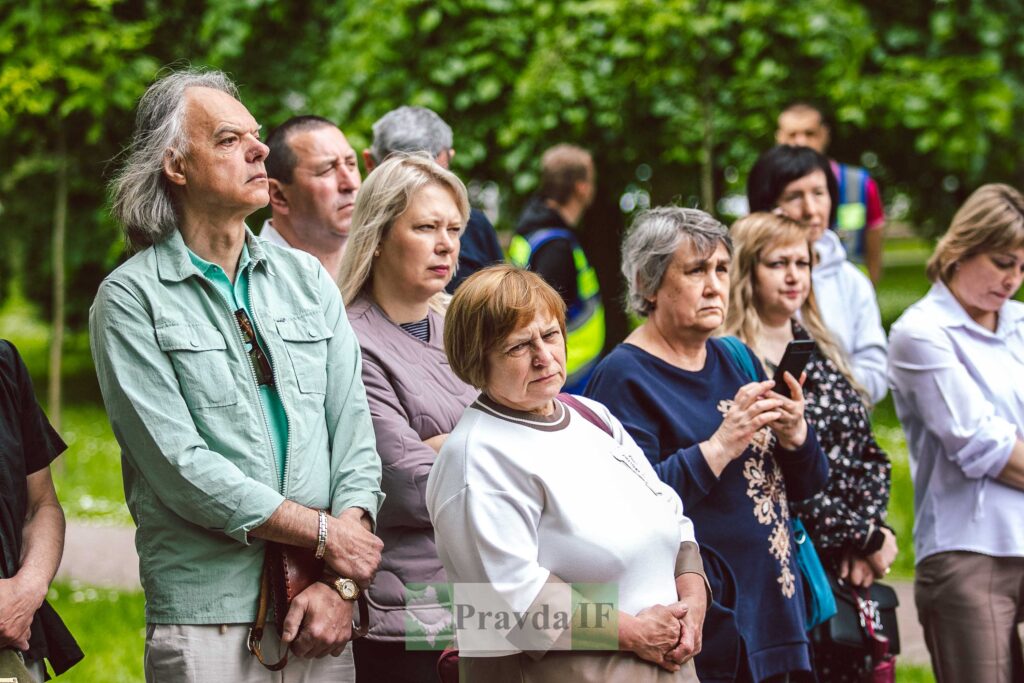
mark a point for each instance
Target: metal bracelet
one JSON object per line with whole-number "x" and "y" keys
{"x": 321, "y": 536}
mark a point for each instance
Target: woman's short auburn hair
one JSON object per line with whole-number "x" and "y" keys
{"x": 489, "y": 306}
{"x": 992, "y": 219}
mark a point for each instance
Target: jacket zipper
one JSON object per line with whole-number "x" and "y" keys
{"x": 277, "y": 385}
{"x": 252, "y": 373}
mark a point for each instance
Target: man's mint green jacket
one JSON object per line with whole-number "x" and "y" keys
{"x": 199, "y": 468}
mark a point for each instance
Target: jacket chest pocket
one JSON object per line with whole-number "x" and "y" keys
{"x": 305, "y": 339}
{"x": 200, "y": 358}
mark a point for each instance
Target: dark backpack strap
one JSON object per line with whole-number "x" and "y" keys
{"x": 739, "y": 353}
{"x": 587, "y": 414}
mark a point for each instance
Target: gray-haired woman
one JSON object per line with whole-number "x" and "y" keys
{"x": 733, "y": 449}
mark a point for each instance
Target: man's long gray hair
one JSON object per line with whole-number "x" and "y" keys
{"x": 140, "y": 194}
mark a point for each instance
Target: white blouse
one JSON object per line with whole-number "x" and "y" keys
{"x": 959, "y": 392}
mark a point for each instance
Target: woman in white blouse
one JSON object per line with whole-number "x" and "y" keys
{"x": 956, "y": 367}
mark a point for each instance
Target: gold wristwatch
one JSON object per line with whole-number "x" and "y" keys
{"x": 347, "y": 588}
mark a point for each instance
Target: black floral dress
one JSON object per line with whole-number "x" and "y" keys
{"x": 841, "y": 517}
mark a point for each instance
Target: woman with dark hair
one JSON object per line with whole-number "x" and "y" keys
{"x": 798, "y": 183}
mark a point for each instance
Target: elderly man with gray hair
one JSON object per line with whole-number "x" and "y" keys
{"x": 418, "y": 129}
{"x": 232, "y": 381}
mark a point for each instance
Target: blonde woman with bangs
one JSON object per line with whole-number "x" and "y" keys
{"x": 771, "y": 304}
{"x": 403, "y": 250}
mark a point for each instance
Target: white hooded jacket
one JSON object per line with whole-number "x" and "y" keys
{"x": 850, "y": 310}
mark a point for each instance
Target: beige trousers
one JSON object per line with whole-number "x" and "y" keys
{"x": 969, "y": 605}
{"x": 578, "y": 667}
{"x": 189, "y": 653}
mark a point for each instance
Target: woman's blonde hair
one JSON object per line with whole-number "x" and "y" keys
{"x": 383, "y": 197}
{"x": 487, "y": 307}
{"x": 992, "y": 219}
{"x": 752, "y": 236}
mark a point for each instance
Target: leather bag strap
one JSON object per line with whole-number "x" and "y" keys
{"x": 587, "y": 414}
{"x": 256, "y": 630}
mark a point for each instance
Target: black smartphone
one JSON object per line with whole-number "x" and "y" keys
{"x": 798, "y": 352}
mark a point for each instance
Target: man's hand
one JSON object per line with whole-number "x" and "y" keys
{"x": 352, "y": 551}
{"x": 18, "y": 604}
{"x": 318, "y": 622}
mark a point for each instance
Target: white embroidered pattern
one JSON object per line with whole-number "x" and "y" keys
{"x": 768, "y": 491}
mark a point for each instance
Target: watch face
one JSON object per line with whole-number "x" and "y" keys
{"x": 348, "y": 589}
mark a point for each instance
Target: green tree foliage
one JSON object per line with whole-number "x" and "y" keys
{"x": 63, "y": 70}
{"x": 675, "y": 97}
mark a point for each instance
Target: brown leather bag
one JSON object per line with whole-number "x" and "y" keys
{"x": 287, "y": 571}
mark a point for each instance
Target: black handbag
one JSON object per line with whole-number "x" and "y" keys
{"x": 848, "y": 628}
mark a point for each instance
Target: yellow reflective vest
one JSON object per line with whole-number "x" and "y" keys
{"x": 585, "y": 327}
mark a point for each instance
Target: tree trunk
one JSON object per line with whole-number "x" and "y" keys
{"x": 60, "y": 214}
{"x": 708, "y": 157}
{"x": 707, "y": 114}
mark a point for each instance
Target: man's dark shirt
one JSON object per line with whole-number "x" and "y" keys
{"x": 478, "y": 248}
{"x": 554, "y": 260}
{"x": 28, "y": 444}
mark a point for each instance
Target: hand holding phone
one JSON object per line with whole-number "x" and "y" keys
{"x": 794, "y": 360}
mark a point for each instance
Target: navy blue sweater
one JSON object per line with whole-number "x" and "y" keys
{"x": 743, "y": 513}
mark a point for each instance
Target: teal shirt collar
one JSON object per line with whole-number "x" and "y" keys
{"x": 173, "y": 263}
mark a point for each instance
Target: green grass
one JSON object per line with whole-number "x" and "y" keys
{"x": 109, "y": 626}
{"x": 905, "y": 673}
{"x": 901, "y": 495}
{"x": 89, "y": 481}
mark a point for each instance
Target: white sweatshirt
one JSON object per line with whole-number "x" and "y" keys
{"x": 514, "y": 497}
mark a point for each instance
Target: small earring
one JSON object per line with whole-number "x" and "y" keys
{"x": 376, "y": 253}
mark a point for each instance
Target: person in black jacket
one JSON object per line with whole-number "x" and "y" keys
{"x": 31, "y": 525}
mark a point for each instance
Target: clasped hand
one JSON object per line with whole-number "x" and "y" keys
{"x": 660, "y": 637}
{"x": 352, "y": 550}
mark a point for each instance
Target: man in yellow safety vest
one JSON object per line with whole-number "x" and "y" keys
{"x": 545, "y": 243}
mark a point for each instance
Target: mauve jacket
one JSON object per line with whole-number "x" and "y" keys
{"x": 413, "y": 395}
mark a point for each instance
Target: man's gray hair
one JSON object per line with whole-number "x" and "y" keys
{"x": 409, "y": 130}
{"x": 140, "y": 194}
{"x": 652, "y": 242}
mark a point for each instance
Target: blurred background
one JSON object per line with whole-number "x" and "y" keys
{"x": 675, "y": 99}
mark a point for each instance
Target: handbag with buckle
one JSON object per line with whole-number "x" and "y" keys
{"x": 865, "y": 625}
{"x": 287, "y": 571}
